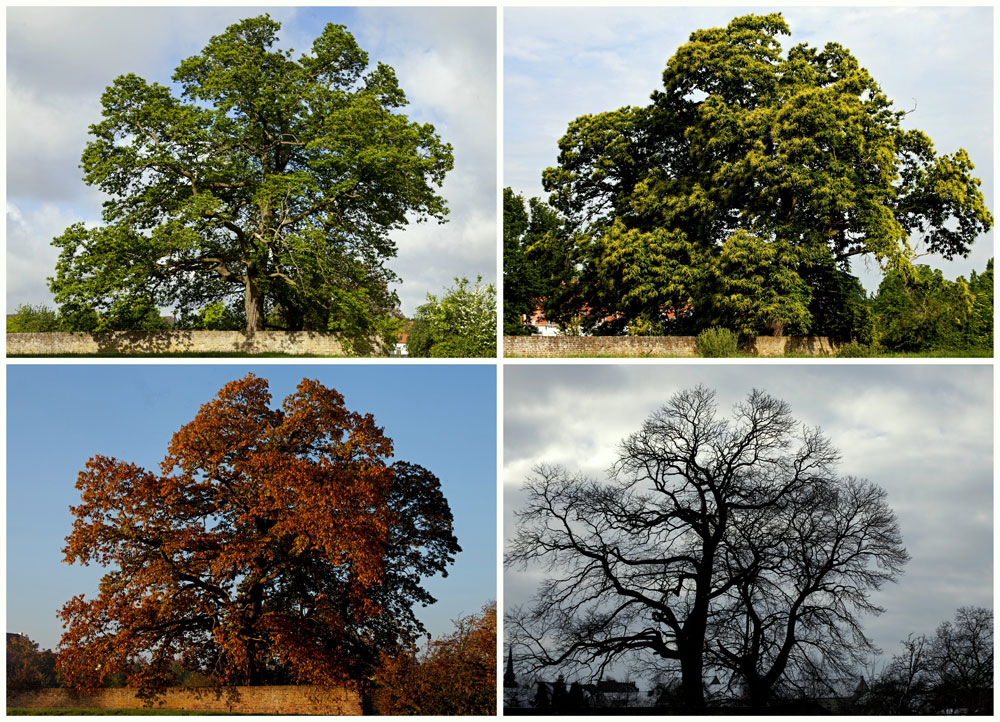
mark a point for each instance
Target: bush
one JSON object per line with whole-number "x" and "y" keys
{"x": 33, "y": 319}
{"x": 717, "y": 342}
{"x": 857, "y": 350}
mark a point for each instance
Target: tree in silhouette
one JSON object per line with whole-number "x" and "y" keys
{"x": 805, "y": 569}
{"x": 273, "y": 543}
{"x": 655, "y": 560}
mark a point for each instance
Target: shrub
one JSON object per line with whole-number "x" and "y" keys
{"x": 717, "y": 342}
{"x": 857, "y": 350}
{"x": 33, "y": 319}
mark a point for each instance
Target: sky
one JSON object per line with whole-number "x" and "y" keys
{"x": 60, "y": 60}
{"x": 561, "y": 63}
{"x": 59, "y": 416}
{"x": 922, "y": 432}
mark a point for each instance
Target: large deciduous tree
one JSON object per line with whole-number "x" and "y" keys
{"x": 272, "y": 544}
{"x": 731, "y": 543}
{"x": 267, "y": 182}
{"x": 750, "y": 178}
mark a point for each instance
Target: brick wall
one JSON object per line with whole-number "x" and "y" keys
{"x": 124, "y": 342}
{"x": 304, "y": 700}
{"x": 562, "y": 346}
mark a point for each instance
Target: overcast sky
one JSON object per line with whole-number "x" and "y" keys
{"x": 561, "y": 63}
{"x": 922, "y": 432}
{"x": 440, "y": 417}
{"x": 60, "y": 60}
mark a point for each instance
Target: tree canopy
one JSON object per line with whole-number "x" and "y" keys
{"x": 716, "y": 543}
{"x": 272, "y": 545}
{"x": 463, "y": 323}
{"x": 748, "y": 184}
{"x": 268, "y": 183}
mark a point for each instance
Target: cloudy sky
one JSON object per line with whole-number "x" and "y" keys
{"x": 60, "y": 60}
{"x": 922, "y": 432}
{"x": 441, "y": 417}
{"x": 561, "y": 63}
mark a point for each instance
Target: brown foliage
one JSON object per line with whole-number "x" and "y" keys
{"x": 27, "y": 666}
{"x": 273, "y": 545}
{"x": 455, "y": 675}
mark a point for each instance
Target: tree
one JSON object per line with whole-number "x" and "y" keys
{"x": 535, "y": 240}
{"x": 456, "y": 674}
{"x": 753, "y": 165}
{"x": 462, "y": 324}
{"x": 272, "y": 544}
{"x": 651, "y": 561}
{"x": 804, "y": 571}
{"x": 33, "y": 319}
{"x": 923, "y": 310}
{"x": 961, "y": 657}
{"x": 273, "y": 180}
{"x": 27, "y": 666}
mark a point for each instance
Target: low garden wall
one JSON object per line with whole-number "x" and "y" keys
{"x": 248, "y": 700}
{"x": 152, "y": 342}
{"x": 562, "y": 346}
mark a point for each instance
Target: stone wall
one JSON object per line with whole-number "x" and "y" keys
{"x": 303, "y": 700}
{"x": 684, "y": 346}
{"x": 153, "y": 342}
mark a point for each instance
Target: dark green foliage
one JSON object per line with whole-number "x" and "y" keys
{"x": 923, "y": 311}
{"x": 744, "y": 189}
{"x": 717, "y": 342}
{"x": 857, "y": 350}
{"x": 269, "y": 183}
{"x": 33, "y": 319}
{"x": 535, "y": 243}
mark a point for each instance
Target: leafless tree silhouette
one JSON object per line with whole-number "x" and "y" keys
{"x": 701, "y": 520}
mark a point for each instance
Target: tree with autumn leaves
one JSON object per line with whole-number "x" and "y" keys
{"x": 272, "y": 544}
{"x": 455, "y": 674}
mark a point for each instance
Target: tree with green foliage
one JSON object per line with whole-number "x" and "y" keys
{"x": 924, "y": 311}
{"x": 270, "y": 181}
{"x": 748, "y": 184}
{"x": 535, "y": 258}
{"x": 462, "y": 324}
{"x": 33, "y": 319}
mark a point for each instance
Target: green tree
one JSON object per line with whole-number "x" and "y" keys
{"x": 461, "y": 324}
{"x": 270, "y": 181}
{"x": 801, "y": 151}
{"x": 33, "y": 319}
{"x": 535, "y": 244}
{"x": 979, "y": 330}
{"x": 923, "y": 311}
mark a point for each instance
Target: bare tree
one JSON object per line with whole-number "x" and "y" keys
{"x": 961, "y": 657}
{"x": 805, "y": 569}
{"x": 640, "y": 563}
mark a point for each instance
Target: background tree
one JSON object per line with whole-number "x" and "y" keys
{"x": 272, "y": 544}
{"x": 798, "y": 158}
{"x": 462, "y": 324}
{"x": 644, "y": 562}
{"x": 270, "y": 180}
{"x": 535, "y": 240}
{"x": 456, "y": 674}
{"x": 922, "y": 311}
{"x": 33, "y": 319}
{"x": 28, "y": 667}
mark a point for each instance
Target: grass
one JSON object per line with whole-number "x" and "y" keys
{"x": 85, "y": 711}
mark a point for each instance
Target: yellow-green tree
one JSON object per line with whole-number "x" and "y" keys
{"x": 798, "y": 159}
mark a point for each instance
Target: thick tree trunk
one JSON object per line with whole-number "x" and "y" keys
{"x": 253, "y": 305}
{"x": 692, "y": 686}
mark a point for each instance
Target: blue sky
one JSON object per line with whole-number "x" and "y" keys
{"x": 59, "y": 416}
{"x": 60, "y": 60}
{"x": 923, "y": 432}
{"x": 561, "y": 63}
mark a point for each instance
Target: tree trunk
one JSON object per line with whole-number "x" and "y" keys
{"x": 692, "y": 686}
{"x": 253, "y": 304}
